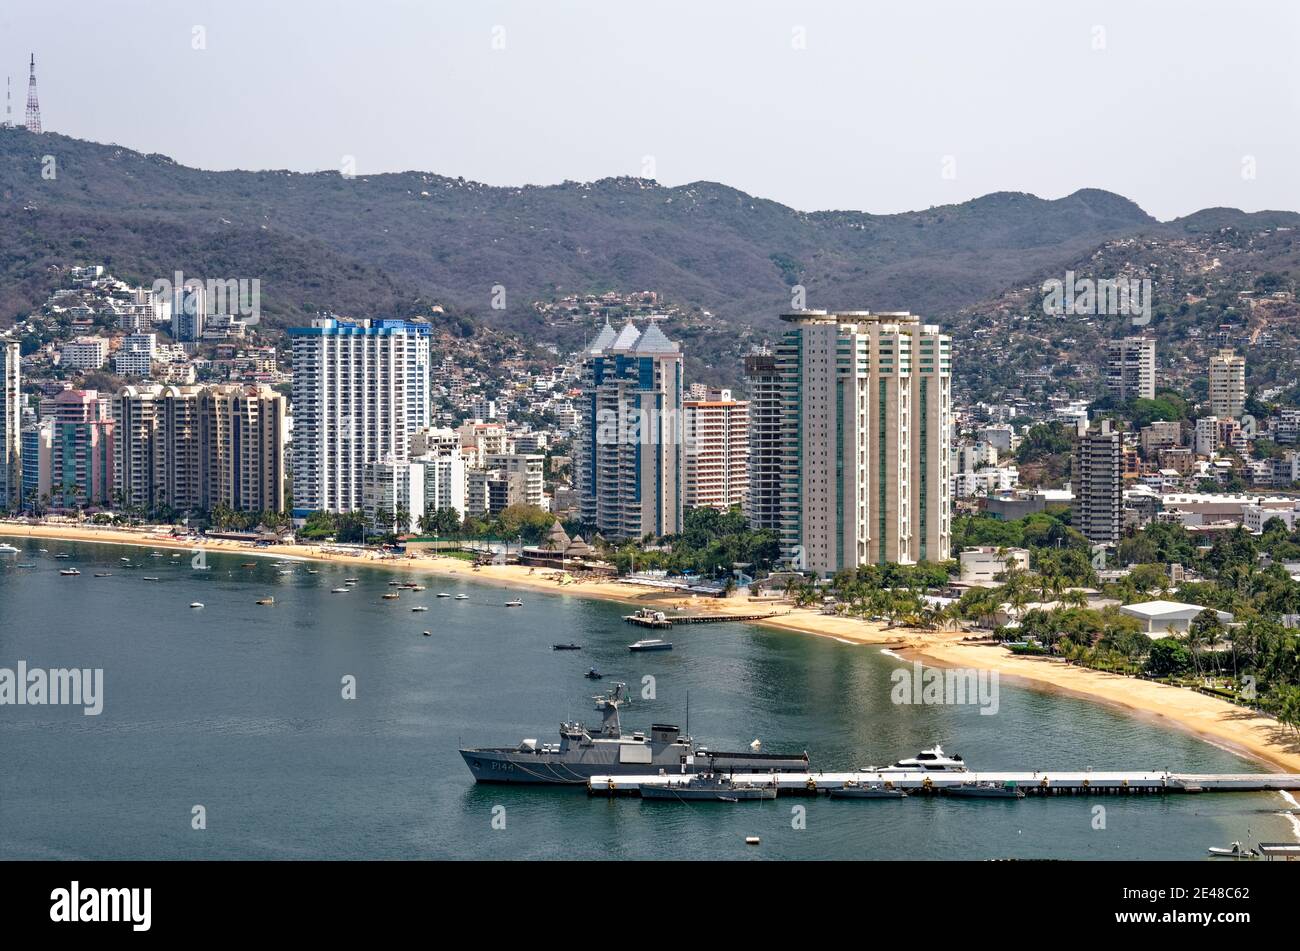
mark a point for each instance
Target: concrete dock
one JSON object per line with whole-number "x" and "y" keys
{"x": 1032, "y": 783}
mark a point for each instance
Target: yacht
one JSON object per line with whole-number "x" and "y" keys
{"x": 514, "y": 603}
{"x": 443, "y": 594}
{"x": 419, "y": 607}
{"x": 927, "y": 761}
{"x": 462, "y": 597}
{"x": 7, "y": 549}
{"x": 69, "y": 571}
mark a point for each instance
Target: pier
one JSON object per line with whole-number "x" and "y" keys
{"x": 1031, "y": 783}
{"x": 658, "y": 619}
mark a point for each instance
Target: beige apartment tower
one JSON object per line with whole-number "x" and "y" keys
{"x": 1227, "y": 385}
{"x": 862, "y": 440}
{"x": 717, "y": 451}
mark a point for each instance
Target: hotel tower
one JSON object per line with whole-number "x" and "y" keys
{"x": 850, "y": 440}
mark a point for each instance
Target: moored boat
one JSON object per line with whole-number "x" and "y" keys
{"x": 1235, "y": 851}
{"x": 651, "y": 644}
{"x": 705, "y": 787}
{"x": 852, "y": 790}
{"x": 984, "y": 790}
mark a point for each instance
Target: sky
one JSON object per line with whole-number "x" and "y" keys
{"x": 873, "y": 106}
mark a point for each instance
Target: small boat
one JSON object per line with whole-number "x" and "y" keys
{"x": 286, "y": 571}
{"x": 312, "y": 571}
{"x": 26, "y": 564}
{"x": 1236, "y": 851}
{"x": 852, "y": 790}
{"x": 984, "y": 790}
{"x": 62, "y": 555}
{"x": 391, "y": 596}
{"x": 351, "y": 580}
{"x": 266, "y": 601}
{"x": 593, "y": 674}
{"x": 7, "y": 549}
{"x": 415, "y": 587}
{"x": 419, "y": 607}
{"x": 127, "y": 560}
{"x": 752, "y": 840}
{"x": 249, "y": 564}
{"x": 651, "y": 644}
{"x": 462, "y": 597}
{"x": 69, "y": 571}
{"x": 396, "y": 584}
{"x": 566, "y": 647}
{"x": 175, "y": 556}
{"x": 43, "y": 551}
{"x": 443, "y": 594}
{"x": 514, "y": 603}
{"x": 339, "y": 590}
{"x": 196, "y": 604}
{"x": 151, "y": 578}
{"x": 155, "y": 554}
{"x": 707, "y": 788}
{"x": 103, "y": 574}
{"x": 427, "y": 633}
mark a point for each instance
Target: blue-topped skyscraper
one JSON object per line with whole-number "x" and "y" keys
{"x": 360, "y": 391}
{"x": 629, "y": 456}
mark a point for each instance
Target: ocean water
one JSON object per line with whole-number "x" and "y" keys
{"x": 238, "y": 708}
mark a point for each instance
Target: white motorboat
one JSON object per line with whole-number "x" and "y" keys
{"x": 7, "y": 549}
{"x": 1235, "y": 851}
{"x": 462, "y": 597}
{"x": 514, "y": 603}
{"x": 196, "y": 604}
{"x": 419, "y": 607}
{"x": 927, "y": 761}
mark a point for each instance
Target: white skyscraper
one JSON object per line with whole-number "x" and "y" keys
{"x": 360, "y": 391}
{"x": 11, "y": 419}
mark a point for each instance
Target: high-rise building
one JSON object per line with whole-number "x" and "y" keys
{"x": 717, "y": 450}
{"x": 191, "y": 448}
{"x": 241, "y": 448}
{"x": 1131, "y": 368}
{"x": 1098, "y": 491}
{"x": 11, "y": 422}
{"x": 1227, "y": 385}
{"x": 861, "y": 442}
{"x": 629, "y": 455}
{"x": 764, "y": 503}
{"x": 81, "y": 451}
{"x": 360, "y": 391}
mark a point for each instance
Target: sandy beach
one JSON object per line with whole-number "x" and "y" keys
{"x": 1214, "y": 720}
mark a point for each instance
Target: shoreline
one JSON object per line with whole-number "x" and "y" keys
{"x": 1210, "y": 719}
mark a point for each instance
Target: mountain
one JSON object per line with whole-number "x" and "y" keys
{"x": 379, "y": 244}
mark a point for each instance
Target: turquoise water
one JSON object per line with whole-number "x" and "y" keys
{"x": 238, "y": 708}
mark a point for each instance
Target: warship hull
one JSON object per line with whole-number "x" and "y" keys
{"x": 566, "y": 769}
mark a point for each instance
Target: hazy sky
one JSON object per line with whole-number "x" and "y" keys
{"x": 878, "y": 106}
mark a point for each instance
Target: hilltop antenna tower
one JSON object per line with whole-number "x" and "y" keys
{"x": 9, "y": 104}
{"x": 33, "y": 104}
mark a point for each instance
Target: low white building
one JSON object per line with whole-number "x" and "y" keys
{"x": 984, "y": 564}
{"x": 1167, "y": 618}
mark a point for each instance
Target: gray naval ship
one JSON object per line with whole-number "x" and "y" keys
{"x": 582, "y": 753}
